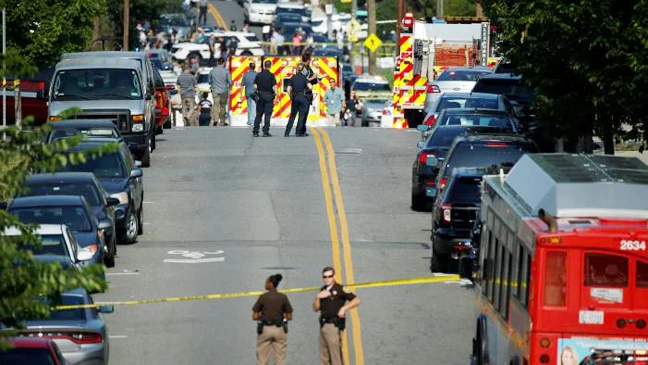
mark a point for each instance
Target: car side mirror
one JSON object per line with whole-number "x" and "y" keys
{"x": 420, "y": 144}
{"x": 105, "y": 224}
{"x": 105, "y": 309}
{"x": 138, "y": 163}
{"x": 111, "y": 202}
{"x": 422, "y": 127}
{"x": 84, "y": 255}
{"x": 431, "y": 161}
{"x": 136, "y": 173}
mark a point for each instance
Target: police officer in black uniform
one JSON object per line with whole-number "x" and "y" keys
{"x": 312, "y": 79}
{"x": 272, "y": 311}
{"x": 333, "y": 302}
{"x": 265, "y": 86}
{"x": 298, "y": 87}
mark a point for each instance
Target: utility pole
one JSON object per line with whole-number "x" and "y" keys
{"x": 354, "y": 11}
{"x": 4, "y": 76}
{"x": 479, "y": 10}
{"x": 373, "y": 65}
{"x": 400, "y": 13}
{"x": 126, "y": 22}
{"x": 439, "y": 9}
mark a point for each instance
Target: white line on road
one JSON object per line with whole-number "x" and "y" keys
{"x": 117, "y": 336}
{"x": 193, "y": 261}
{"x": 148, "y": 202}
{"x": 122, "y": 273}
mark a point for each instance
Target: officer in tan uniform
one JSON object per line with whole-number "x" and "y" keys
{"x": 333, "y": 303}
{"x": 272, "y": 311}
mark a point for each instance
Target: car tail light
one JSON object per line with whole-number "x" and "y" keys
{"x": 433, "y": 89}
{"x": 78, "y": 337}
{"x": 431, "y": 121}
{"x": 447, "y": 212}
{"x": 443, "y": 182}
{"x": 496, "y": 144}
{"x": 430, "y": 182}
{"x": 422, "y": 157}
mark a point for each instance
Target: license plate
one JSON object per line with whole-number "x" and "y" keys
{"x": 431, "y": 192}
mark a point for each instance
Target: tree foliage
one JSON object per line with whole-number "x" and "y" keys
{"x": 586, "y": 61}
{"x": 41, "y": 30}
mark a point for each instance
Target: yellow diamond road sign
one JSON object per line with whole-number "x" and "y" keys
{"x": 372, "y": 42}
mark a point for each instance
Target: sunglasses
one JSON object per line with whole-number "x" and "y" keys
{"x": 327, "y": 276}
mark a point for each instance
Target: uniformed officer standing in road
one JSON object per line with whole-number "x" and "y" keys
{"x": 272, "y": 310}
{"x": 312, "y": 78}
{"x": 265, "y": 84}
{"x": 298, "y": 87}
{"x": 333, "y": 303}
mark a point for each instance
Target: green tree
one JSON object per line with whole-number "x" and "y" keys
{"x": 23, "y": 280}
{"x": 585, "y": 60}
{"x": 41, "y": 30}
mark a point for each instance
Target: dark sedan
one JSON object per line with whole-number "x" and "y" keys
{"x": 478, "y": 117}
{"x": 431, "y": 154}
{"x": 72, "y": 211}
{"x": 32, "y": 351}
{"x": 89, "y": 127}
{"x": 120, "y": 175}
{"x": 87, "y": 185}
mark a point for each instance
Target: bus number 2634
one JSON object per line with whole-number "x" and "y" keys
{"x": 633, "y": 245}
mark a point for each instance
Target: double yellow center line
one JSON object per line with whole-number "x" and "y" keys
{"x": 322, "y": 139}
{"x": 217, "y": 16}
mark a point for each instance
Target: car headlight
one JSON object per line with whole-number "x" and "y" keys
{"x": 137, "y": 127}
{"x": 122, "y": 197}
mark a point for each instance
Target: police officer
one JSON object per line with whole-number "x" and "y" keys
{"x": 312, "y": 79}
{"x": 265, "y": 85}
{"x": 333, "y": 303}
{"x": 272, "y": 311}
{"x": 298, "y": 88}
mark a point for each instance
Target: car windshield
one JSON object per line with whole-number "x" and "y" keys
{"x": 483, "y": 155}
{"x": 371, "y": 86}
{"x": 69, "y": 314}
{"x": 265, "y": 1}
{"x": 462, "y": 75}
{"x": 444, "y": 136}
{"x": 466, "y": 102}
{"x": 51, "y": 244}
{"x": 26, "y": 356}
{"x": 73, "y": 216}
{"x": 465, "y": 190}
{"x": 105, "y": 166}
{"x": 487, "y": 120}
{"x": 282, "y": 10}
{"x": 101, "y": 132}
{"x": 513, "y": 88}
{"x": 88, "y": 191}
{"x": 93, "y": 84}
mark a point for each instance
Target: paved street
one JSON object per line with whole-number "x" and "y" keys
{"x": 257, "y": 206}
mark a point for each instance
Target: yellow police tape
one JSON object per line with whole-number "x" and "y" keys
{"x": 371, "y": 284}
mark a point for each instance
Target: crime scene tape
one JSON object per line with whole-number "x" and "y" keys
{"x": 370, "y": 284}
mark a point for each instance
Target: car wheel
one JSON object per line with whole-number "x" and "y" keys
{"x": 140, "y": 219}
{"x": 246, "y": 53}
{"x": 132, "y": 227}
{"x": 146, "y": 157}
{"x": 153, "y": 140}
{"x": 438, "y": 262}
{"x": 109, "y": 258}
{"x": 418, "y": 202}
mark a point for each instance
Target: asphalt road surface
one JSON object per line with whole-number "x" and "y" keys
{"x": 224, "y": 210}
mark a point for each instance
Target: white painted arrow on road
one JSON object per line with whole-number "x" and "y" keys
{"x": 194, "y": 257}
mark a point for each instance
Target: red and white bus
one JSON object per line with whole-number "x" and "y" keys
{"x": 563, "y": 264}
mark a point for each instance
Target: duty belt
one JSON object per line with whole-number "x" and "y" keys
{"x": 340, "y": 323}
{"x": 272, "y": 322}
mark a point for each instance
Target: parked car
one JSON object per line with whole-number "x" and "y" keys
{"x": 431, "y": 154}
{"x": 478, "y": 117}
{"x": 81, "y": 334}
{"x": 371, "y": 87}
{"x": 295, "y": 8}
{"x": 387, "y": 117}
{"x": 372, "y": 110}
{"x": 32, "y": 351}
{"x": 91, "y": 128}
{"x": 161, "y": 59}
{"x": 248, "y": 45}
{"x": 108, "y": 88}
{"x": 57, "y": 245}
{"x": 120, "y": 176}
{"x": 86, "y": 185}
{"x": 281, "y": 18}
{"x": 453, "y": 218}
{"x": 466, "y": 100}
{"x": 509, "y": 85}
{"x": 74, "y": 212}
{"x": 259, "y": 11}
{"x": 455, "y": 79}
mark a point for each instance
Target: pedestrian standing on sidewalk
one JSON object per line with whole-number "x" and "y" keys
{"x": 334, "y": 99}
{"x": 272, "y": 311}
{"x": 265, "y": 84}
{"x": 187, "y": 84}
{"x": 333, "y": 303}
{"x": 220, "y": 82}
{"x": 298, "y": 87}
{"x": 202, "y": 18}
{"x": 248, "y": 83}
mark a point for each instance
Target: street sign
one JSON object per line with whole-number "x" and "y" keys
{"x": 354, "y": 24}
{"x": 372, "y": 42}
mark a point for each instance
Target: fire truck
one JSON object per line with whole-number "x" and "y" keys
{"x": 426, "y": 48}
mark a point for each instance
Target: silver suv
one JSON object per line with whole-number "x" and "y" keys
{"x": 107, "y": 88}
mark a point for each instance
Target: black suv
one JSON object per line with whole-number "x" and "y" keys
{"x": 431, "y": 154}
{"x": 453, "y": 217}
{"x": 122, "y": 178}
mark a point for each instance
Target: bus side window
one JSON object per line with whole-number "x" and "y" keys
{"x": 517, "y": 286}
{"x": 486, "y": 244}
{"x": 642, "y": 274}
{"x": 525, "y": 281}
{"x": 497, "y": 283}
{"x": 606, "y": 270}
{"x": 555, "y": 280}
{"x": 505, "y": 293}
{"x": 491, "y": 266}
